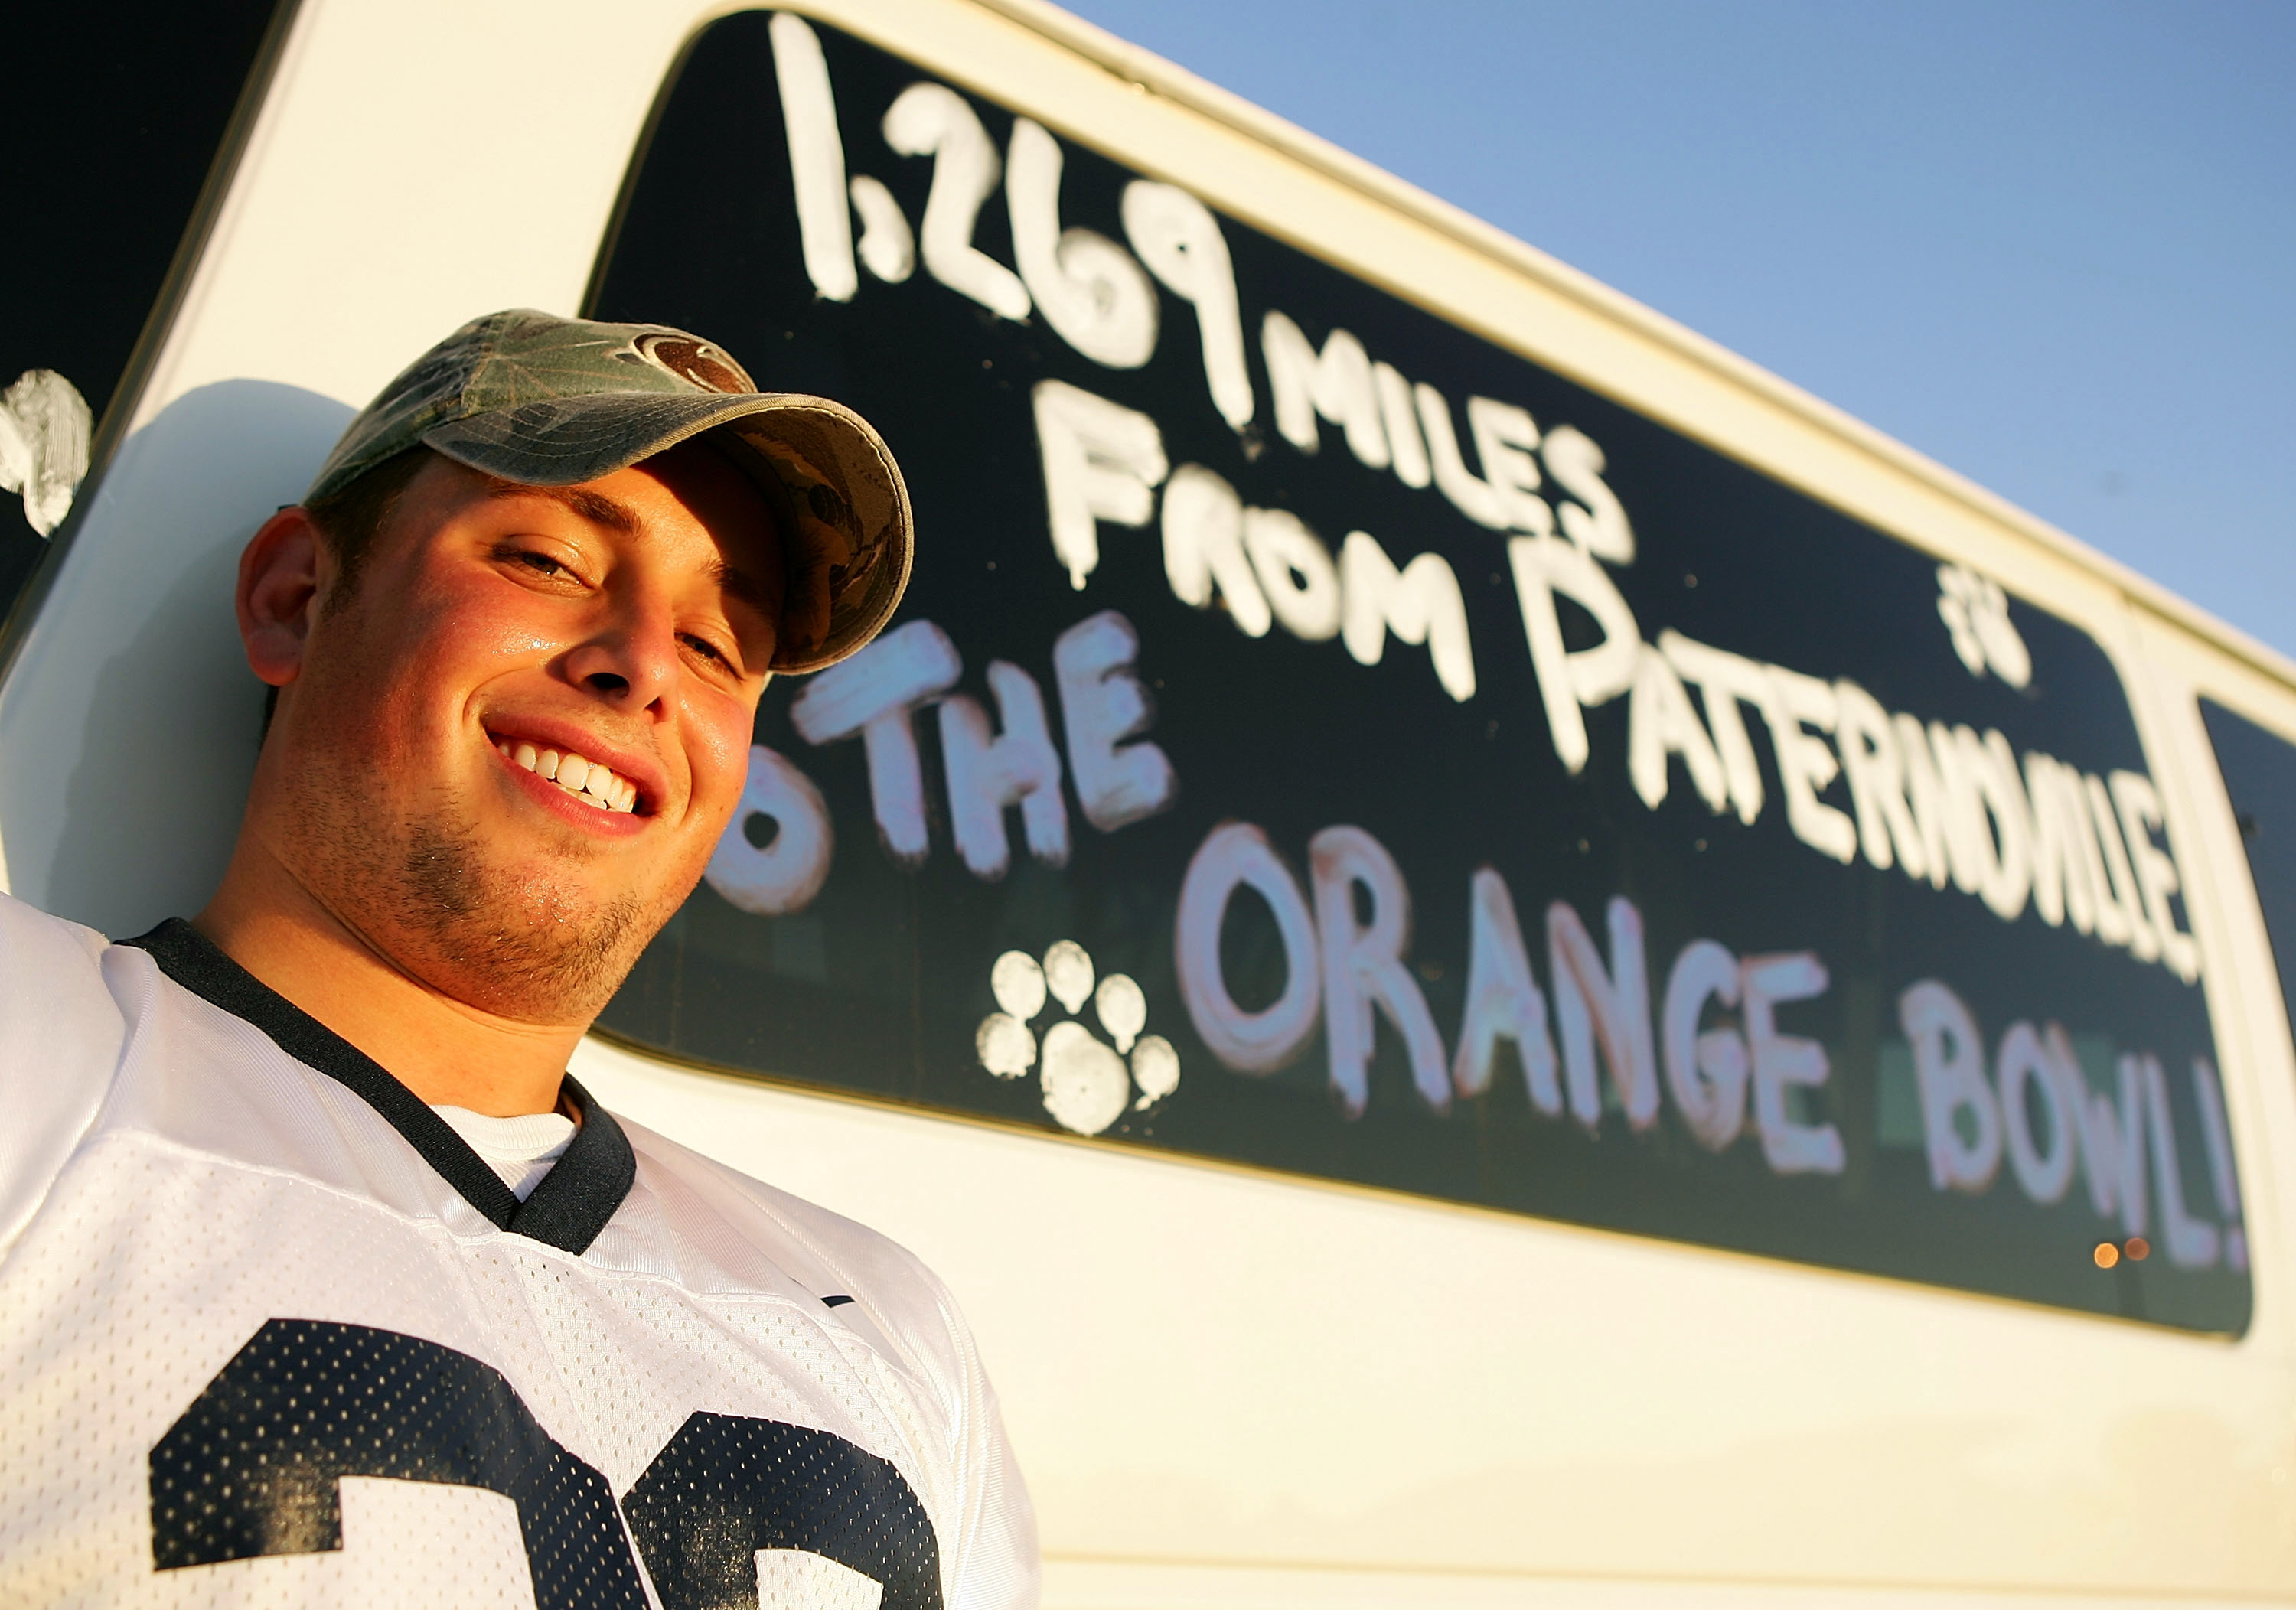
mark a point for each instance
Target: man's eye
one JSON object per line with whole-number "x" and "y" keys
{"x": 540, "y": 563}
{"x": 706, "y": 648}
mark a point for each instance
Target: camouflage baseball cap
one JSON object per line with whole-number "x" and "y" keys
{"x": 544, "y": 401}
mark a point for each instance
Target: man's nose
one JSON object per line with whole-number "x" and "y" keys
{"x": 633, "y": 662}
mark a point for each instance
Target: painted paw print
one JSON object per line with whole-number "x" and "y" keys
{"x": 1976, "y": 613}
{"x": 1087, "y": 1084}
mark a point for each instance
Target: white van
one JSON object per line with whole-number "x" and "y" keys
{"x": 1508, "y": 963}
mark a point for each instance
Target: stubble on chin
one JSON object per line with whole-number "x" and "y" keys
{"x": 527, "y": 944}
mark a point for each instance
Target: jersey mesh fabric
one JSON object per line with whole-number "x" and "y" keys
{"x": 258, "y": 1353}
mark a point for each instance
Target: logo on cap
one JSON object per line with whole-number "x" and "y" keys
{"x": 701, "y": 363}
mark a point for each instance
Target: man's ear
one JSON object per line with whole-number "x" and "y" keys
{"x": 279, "y": 581}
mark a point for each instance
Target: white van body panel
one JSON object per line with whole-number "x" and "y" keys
{"x": 1208, "y": 1369}
{"x": 1228, "y": 1388}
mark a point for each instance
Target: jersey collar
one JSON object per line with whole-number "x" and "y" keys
{"x": 567, "y": 1210}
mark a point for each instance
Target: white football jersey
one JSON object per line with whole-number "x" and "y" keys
{"x": 273, "y": 1335}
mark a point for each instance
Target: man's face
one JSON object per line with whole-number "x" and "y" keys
{"x": 495, "y": 632}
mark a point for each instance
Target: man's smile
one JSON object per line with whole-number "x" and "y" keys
{"x": 592, "y": 783}
{"x": 562, "y": 772}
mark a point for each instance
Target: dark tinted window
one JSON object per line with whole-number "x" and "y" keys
{"x": 1321, "y": 739}
{"x": 115, "y": 114}
{"x": 2260, "y": 774}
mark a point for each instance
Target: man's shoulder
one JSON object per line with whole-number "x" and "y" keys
{"x": 40, "y": 949}
{"x": 735, "y": 1221}
{"x": 58, "y": 1012}
{"x": 60, "y": 1033}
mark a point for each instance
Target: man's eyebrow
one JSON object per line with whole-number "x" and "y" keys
{"x": 596, "y": 507}
{"x": 759, "y": 595}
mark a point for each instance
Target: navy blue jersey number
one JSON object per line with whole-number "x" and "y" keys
{"x": 727, "y": 1487}
{"x": 254, "y": 1467}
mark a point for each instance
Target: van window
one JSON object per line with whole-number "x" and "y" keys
{"x": 116, "y": 113}
{"x": 1321, "y": 739}
{"x": 2260, "y": 775}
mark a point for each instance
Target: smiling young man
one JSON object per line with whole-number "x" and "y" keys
{"x": 320, "y": 1281}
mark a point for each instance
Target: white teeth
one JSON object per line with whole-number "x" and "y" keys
{"x": 587, "y": 781}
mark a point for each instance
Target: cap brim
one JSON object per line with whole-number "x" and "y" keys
{"x": 846, "y": 525}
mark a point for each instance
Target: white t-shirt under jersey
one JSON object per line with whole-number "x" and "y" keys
{"x": 521, "y": 1150}
{"x": 272, "y": 1333}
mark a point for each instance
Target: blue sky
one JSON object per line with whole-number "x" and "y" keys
{"x": 2052, "y": 245}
